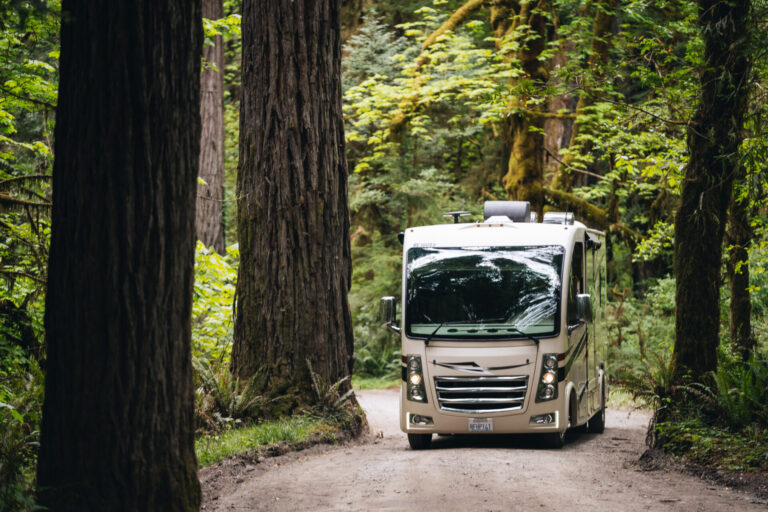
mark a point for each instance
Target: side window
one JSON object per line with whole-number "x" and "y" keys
{"x": 576, "y": 283}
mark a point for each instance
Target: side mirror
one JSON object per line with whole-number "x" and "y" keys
{"x": 584, "y": 307}
{"x": 388, "y": 314}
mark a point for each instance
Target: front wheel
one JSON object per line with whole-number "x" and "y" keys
{"x": 419, "y": 441}
{"x": 596, "y": 424}
{"x": 555, "y": 439}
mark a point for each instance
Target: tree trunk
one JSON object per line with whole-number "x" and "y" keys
{"x": 117, "y": 429}
{"x": 739, "y": 237}
{"x": 293, "y": 220}
{"x": 209, "y": 222}
{"x": 714, "y": 135}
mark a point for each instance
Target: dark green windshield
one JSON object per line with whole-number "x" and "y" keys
{"x": 483, "y": 292}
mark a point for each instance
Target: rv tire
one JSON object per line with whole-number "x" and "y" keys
{"x": 419, "y": 441}
{"x": 596, "y": 424}
{"x": 555, "y": 439}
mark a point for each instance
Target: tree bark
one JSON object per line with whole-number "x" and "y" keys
{"x": 293, "y": 219}
{"x": 117, "y": 429}
{"x": 714, "y": 135}
{"x": 739, "y": 236}
{"x": 209, "y": 221}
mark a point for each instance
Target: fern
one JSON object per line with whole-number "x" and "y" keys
{"x": 328, "y": 400}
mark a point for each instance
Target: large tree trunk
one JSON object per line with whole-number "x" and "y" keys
{"x": 117, "y": 428}
{"x": 714, "y": 135}
{"x": 209, "y": 222}
{"x": 293, "y": 224}
{"x": 739, "y": 237}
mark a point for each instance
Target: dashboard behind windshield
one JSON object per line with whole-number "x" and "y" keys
{"x": 483, "y": 292}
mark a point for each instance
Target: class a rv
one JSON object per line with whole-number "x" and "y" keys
{"x": 502, "y": 326}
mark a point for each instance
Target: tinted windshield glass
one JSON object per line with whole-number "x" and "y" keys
{"x": 483, "y": 292}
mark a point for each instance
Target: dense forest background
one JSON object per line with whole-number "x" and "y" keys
{"x": 574, "y": 105}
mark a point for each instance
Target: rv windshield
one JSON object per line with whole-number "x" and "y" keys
{"x": 483, "y": 292}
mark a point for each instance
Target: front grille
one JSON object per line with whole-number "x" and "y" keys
{"x": 474, "y": 395}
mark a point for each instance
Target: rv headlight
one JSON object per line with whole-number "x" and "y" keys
{"x": 547, "y": 389}
{"x": 416, "y": 392}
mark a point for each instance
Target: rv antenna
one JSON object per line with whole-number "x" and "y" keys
{"x": 456, "y": 215}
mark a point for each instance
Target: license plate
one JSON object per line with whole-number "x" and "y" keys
{"x": 481, "y": 424}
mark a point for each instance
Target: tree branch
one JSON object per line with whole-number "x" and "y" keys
{"x": 572, "y": 168}
{"x": 590, "y": 212}
{"x": 28, "y": 177}
{"x": 456, "y": 19}
{"x": 6, "y": 199}
{"x": 34, "y": 101}
{"x": 23, "y": 274}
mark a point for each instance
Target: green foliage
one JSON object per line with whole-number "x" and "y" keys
{"x": 21, "y": 397}
{"x": 213, "y": 448}
{"x": 641, "y": 336}
{"x": 723, "y": 425}
{"x": 222, "y": 399}
{"x": 372, "y": 51}
{"x": 376, "y": 273}
{"x": 329, "y": 402}
{"x": 361, "y": 382}
{"x": 212, "y": 302}
{"x": 28, "y": 90}
{"x": 741, "y": 391}
{"x": 715, "y": 447}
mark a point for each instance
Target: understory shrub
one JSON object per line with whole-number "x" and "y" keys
{"x": 222, "y": 400}
{"x": 641, "y": 336}
{"x": 21, "y": 398}
{"x": 741, "y": 391}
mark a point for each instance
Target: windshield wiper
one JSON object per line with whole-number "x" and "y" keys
{"x": 426, "y": 341}
{"x": 521, "y": 333}
{"x": 463, "y": 322}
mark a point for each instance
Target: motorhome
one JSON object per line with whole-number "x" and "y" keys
{"x": 502, "y": 326}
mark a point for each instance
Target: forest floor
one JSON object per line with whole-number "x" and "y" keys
{"x": 380, "y": 472}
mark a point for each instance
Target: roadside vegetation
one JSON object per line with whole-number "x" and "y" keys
{"x": 253, "y": 439}
{"x": 723, "y": 425}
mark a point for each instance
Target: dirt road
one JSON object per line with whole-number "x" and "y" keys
{"x": 500, "y": 473}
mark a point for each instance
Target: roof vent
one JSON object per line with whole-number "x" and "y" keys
{"x": 516, "y": 211}
{"x": 558, "y": 218}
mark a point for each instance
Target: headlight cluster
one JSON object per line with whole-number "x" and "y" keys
{"x": 415, "y": 392}
{"x": 548, "y": 384}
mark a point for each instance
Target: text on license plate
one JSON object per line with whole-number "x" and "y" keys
{"x": 481, "y": 424}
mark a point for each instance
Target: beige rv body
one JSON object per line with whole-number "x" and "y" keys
{"x": 478, "y": 364}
